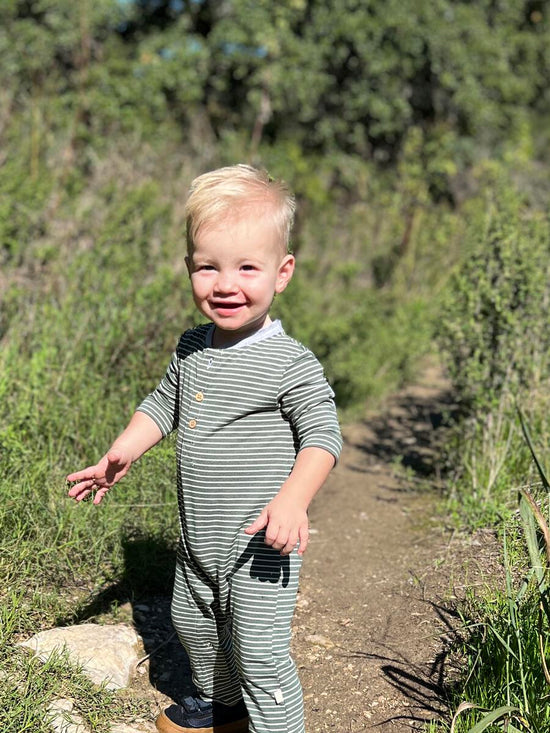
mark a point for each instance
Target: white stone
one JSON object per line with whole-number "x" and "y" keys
{"x": 105, "y": 653}
{"x": 320, "y": 640}
{"x": 124, "y": 728}
{"x": 62, "y": 719}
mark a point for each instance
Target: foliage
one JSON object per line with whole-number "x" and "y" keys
{"x": 329, "y": 75}
{"x": 493, "y": 332}
{"x": 507, "y": 636}
{"x": 494, "y": 326}
{"x": 358, "y": 75}
{"x": 380, "y": 116}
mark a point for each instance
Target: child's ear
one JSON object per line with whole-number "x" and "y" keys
{"x": 284, "y": 275}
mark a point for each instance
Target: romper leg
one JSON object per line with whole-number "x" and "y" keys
{"x": 204, "y": 634}
{"x": 263, "y": 591}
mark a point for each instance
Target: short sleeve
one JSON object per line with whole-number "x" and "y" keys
{"x": 162, "y": 405}
{"x": 307, "y": 400}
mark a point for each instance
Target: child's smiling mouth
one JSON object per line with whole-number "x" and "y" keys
{"x": 221, "y": 306}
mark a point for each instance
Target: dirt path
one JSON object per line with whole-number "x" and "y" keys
{"x": 373, "y": 621}
{"x": 371, "y": 625}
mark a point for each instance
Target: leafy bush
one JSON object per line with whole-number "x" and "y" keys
{"x": 493, "y": 333}
{"x": 494, "y": 325}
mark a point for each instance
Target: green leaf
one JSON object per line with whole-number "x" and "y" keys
{"x": 492, "y": 717}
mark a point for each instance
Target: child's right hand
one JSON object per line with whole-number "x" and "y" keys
{"x": 98, "y": 479}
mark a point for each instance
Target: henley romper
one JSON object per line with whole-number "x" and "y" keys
{"x": 242, "y": 413}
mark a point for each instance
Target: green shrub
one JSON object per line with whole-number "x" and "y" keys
{"x": 494, "y": 324}
{"x": 493, "y": 333}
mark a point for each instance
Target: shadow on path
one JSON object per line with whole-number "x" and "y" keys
{"x": 425, "y": 686}
{"x": 406, "y": 430}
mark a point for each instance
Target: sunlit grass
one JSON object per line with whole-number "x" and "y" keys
{"x": 506, "y": 636}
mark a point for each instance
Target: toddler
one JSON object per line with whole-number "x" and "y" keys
{"x": 257, "y": 435}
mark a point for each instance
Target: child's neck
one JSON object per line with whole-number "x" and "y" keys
{"x": 223, "y": 339}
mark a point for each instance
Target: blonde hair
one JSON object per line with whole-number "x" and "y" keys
{"x": 236, "y": 190}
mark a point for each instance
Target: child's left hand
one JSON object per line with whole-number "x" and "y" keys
{"x": 285, "y": 524}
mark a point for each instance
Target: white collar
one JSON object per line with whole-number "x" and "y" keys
{"x": 272, "y": 329}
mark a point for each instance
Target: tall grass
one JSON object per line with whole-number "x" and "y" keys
{"x": 507, "y": 635}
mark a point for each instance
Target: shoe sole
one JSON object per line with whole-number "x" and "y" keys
{"x": 165, "y": 725}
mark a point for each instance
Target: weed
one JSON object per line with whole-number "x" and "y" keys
{"x": 508, "y": 635}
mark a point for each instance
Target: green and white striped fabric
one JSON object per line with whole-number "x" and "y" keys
{"x": 242, "y": 414}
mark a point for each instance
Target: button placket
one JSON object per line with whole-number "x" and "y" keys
{"x": 199, "y": 396}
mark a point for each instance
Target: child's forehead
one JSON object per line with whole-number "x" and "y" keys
{"x": 246, "y": 212}
{"x": 251, "y": 229}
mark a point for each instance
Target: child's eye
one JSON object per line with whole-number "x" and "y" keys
{"x": 248, "y": 268}
{"x": 200, "y": 268}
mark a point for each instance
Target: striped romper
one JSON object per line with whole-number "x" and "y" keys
{"x": 242, "y": 413}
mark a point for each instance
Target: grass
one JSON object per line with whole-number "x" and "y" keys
{"x": 493, "y": 331}
{"x": 33, "y": 686}
{"x": 505, "y": 639}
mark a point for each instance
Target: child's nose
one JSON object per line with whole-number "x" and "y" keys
{"x": 225, "y": 282}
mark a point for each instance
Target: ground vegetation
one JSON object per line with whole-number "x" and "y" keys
{"x": 415, "y": 136}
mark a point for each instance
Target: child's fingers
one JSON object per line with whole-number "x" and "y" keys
{"x": 88, "y": 489}
{"x": 81, "y": 488}
{"x": 100, "y": 493}
{"x": 304, "y": 539}
{"x": 85, "y": 474}
{"x": 81, "y": 491}
{"x": 84, "y": 489}
{"x": 257, "y": 524}
{"x": 275, "y": 536}
{"x": 290, "y": 544}
{"x": 281, "y": 537}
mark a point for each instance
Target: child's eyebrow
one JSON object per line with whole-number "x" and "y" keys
{"x": 250, "y": 259}
{"x": 254, "y": 258}
{"x": 200, "y": 258}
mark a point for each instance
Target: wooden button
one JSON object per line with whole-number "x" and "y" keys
{"x": 192, "y": 423}
{"x": 199, "y": 397}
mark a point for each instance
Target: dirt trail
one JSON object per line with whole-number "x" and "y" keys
{"x": 374, "y": 617}
{"x": 372, "y": 623}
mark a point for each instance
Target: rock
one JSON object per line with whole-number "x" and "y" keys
{"x": 125, "y": 728}
{"x": 319, "y": 640}
{"x": 62, "y": 719}
{"x": 106, "y": 653}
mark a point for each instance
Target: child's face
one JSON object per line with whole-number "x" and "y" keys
{"x": 236, "y": 268}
